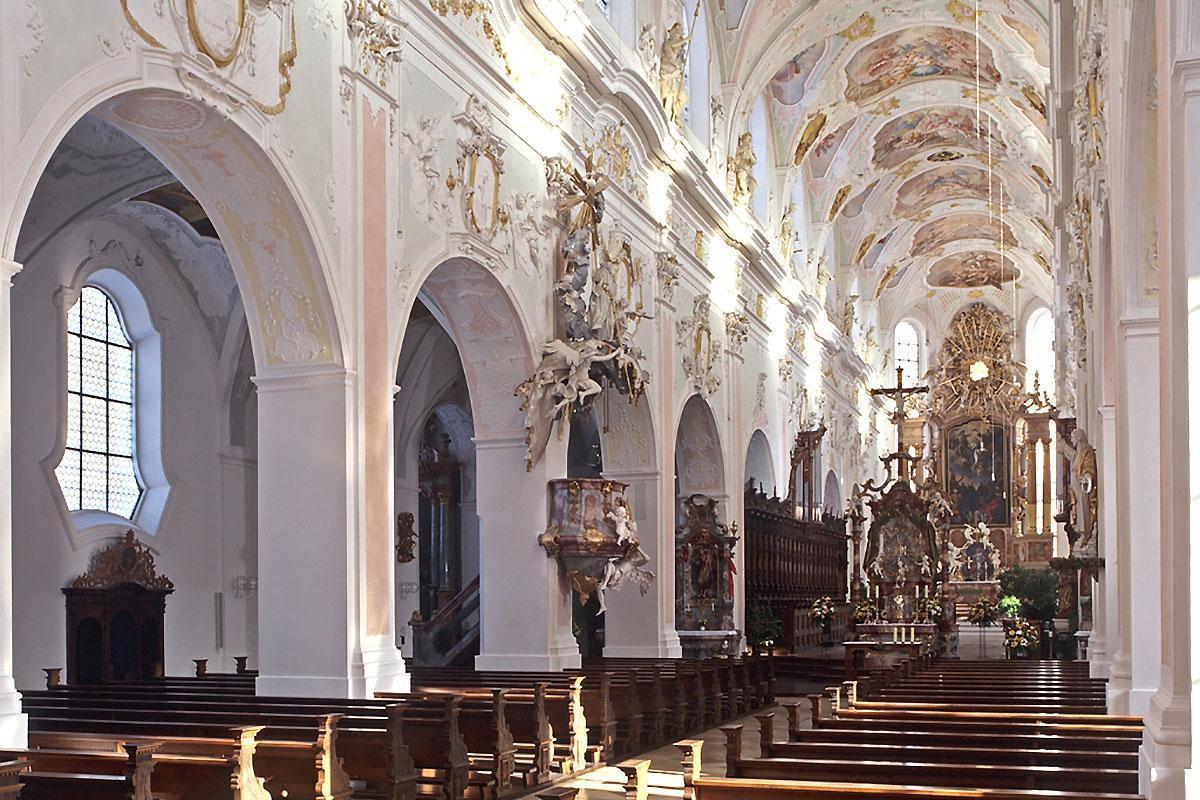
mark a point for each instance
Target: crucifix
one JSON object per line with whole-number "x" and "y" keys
{"x": 900, "y": 394}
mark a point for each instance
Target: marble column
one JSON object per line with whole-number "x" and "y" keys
{"x": 14, "y": 724}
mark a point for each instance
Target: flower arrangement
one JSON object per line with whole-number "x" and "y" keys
{"x": 983, "y": 613}
{"x": 1010, "y": 606}
{"x": 930, "y": 609}
{"x": 865, "y": 612}
{"x": 821, "y": 611}
{"x": 1022, "y": 634}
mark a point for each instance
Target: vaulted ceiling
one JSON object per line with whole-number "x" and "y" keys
{"x": 919, "y": 128}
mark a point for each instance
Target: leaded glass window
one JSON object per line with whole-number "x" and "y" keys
{"x": 908, "y": 352}
{"x": 97, "y": 471}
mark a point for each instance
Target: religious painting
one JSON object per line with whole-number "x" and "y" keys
{"x": 972, "y": 270}
{"x": 788, "y": 84}
{"x": 947, "y": 182}
{"x": 934, "y": 129}
{"x": 915, "y": 54}
{"x": 977, "y": 477}
{"x": 933, "y": 236}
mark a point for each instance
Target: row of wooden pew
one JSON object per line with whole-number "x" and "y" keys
{"x": 458, "y": 734}
{"x": 1008, "y": 730}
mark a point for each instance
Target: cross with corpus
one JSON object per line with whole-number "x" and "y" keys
{"x": 900, "y": 394}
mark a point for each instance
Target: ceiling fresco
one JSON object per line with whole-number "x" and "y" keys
{"x": 936, "y": 129}
{"x": 916, "y": 54}
{"x": 921, "y": 126}
{"x": 972, "y": 270}
{"x": 948, "y": 182}
{"x": 934, "y": 236}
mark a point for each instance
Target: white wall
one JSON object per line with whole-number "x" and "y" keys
{"x": 207, "y": 532}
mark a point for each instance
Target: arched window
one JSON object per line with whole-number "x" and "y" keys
{"x": 907, "y": 347}
{"x": 1039, "y": 351}
{"x": 97, "y": 471}
{"x": 762, "y": 147}
{"x": 695, "y": 72}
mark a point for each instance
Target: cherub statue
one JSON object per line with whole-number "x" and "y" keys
{"x": 671, "y": 68}
{"x": 623, "y": 523}
{"x": 957, "y": 557}
{"x": 741, "y": 169}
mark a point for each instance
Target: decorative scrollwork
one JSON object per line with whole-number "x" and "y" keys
{"x": 125, "y": 560}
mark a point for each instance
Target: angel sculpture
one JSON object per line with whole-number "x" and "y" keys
{"x": 617, "y": 569}
{"x": 957, "y": 557}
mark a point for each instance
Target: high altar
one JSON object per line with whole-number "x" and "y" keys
{"x": 968, "y": 487}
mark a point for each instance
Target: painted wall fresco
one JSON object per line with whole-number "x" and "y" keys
{"x": 972, "y": 270}
{"x": 916, "y": 54}
{"x": 941, "y": 232}
{"x": 935, "y": 129}
{"x": 946, "y": 182}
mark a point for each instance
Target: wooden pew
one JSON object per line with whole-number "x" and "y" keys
{"x": 929, "y": 773}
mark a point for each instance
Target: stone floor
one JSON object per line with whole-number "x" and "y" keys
{"x": 666, "y": 778}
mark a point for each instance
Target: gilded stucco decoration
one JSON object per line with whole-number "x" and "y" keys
{"x": 480, "y": 170}
{"x": 737, "y": 331}
{"x": 379, "y": 41}
{"x": 482, "y": 12}
{"x": 975, "y": 373}
{"x": 227, "y": 38}
{"x": 668, "y": 275}
{"x": 694, "y": 337}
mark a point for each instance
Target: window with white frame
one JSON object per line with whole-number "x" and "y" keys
{"x": 97, "y": 471}
{"x": 907, "y": 347}
{"x": 1039, "y": 351}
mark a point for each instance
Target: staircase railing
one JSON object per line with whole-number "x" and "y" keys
{"x": 446, "y": 635}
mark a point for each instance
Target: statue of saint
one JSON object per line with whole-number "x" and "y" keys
{"x": 741, "y": 169}
{"x": 672, "y": 66}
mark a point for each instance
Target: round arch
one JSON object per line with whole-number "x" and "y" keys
{"x": 257, "y": 208}
{"x": 759, "y": 471}
{"x": 699, "y": 459}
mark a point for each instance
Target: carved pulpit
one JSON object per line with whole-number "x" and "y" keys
{"x": 704, "y": 579}
{"x": 115, "y": 616}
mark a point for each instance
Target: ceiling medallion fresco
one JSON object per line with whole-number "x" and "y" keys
{"x": 929, "y": 128}
{"x": 947, "y": 182}
{"x": 972, "y": 270}
{"x": 937, "y": 234}
{"x": 789, "y": 84}
{"x": 916, "y": 54}
{"x": 824, "y": 153}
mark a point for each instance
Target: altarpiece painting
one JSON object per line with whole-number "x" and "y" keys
{"x": 977, "y": 475}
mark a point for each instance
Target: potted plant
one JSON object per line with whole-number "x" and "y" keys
{"x": 822, "y": 614}
{"x": 763, "y": 627}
